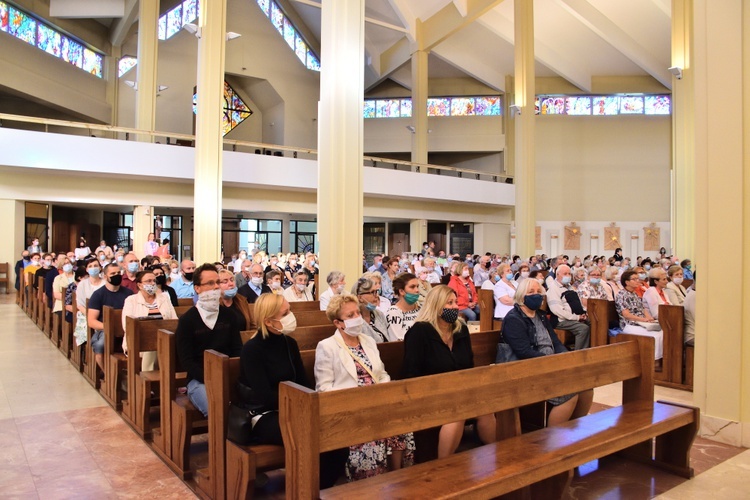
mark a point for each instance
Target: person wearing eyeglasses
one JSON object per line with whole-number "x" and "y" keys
{"x": 656, "y": 293}
{"x": 375, "y": 323}
{"x": 634, "y": 317}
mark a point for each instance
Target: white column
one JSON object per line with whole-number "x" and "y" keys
{"x": 634, "y": 252}
{"x": 143, "y": 223}
{"x": 340, "y": 138}
{"x": 418, "y": 234}
{"x": 148, "y": 50}
{"x": 554, "y": 245}
{"x": 208, "y": 132}
{"x": 594, "y": 244}
{"x": 419, "y": 96}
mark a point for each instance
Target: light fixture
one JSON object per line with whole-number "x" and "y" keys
{"x": 411, "y": 129}
{"x": 676, "y": 71}
{"x": 231, "y": 35}
{"x": 192, "y": 28}
{"x": 159, "y": 88}
{"x": 130, "y": 83}
{"x": 515, "y": 109}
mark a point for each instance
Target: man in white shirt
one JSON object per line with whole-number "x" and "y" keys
{"x": 482, "y": 271}
{"x": 577, "y": 324}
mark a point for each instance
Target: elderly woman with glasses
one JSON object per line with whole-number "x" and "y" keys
{"x": 656, "y": 293}
{"x": 634, "y": 317}
{"x": 375, "y": 323}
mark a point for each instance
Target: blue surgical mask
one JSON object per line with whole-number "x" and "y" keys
{"x": 132, "y": 267}
{"x": 595, "y": 281}
{"x": 509, "y": 276}
{"x": 67, "y": 268}
{"x": 642, "y": 276}
{"x": 647, "y": 267}
{"x": 566, "y": 280}
{"x": 93, "y": 271}
{"x": 497, "y": 278}
{"x": 370, "y": 307}
{"x": 229, "y": 293}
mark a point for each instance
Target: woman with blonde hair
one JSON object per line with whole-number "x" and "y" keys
{"x": 269, "y": 358}
{"x": 439, "y": 342}
{"x": 234, "y": 301}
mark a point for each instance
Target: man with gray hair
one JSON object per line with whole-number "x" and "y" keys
{"x": 256, "y": 286}
{"x": 336, "y": 284}
{"x": 563, "y": 302}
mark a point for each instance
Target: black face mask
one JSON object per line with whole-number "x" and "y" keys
{"x": 26, "y": 258}
{"x": 161, "y": 280}
{"x": 487, "y": 265}
{"x": 115, "y": 280}
{"x": 189, "y": 276}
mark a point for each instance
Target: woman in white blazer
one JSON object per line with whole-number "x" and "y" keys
{"x": 351, "y": 359}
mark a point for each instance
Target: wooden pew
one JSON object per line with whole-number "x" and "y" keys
{"x": 76, "y": 357}
{"x": 542, "y": 460}
{"x": 675, "y": 365}
{"x": 142, "y": 335}
{"x": 66, "y": 332}
{"x": 39, "y": 305}
{"x": 487, "y": 311}
{"x": 185, "y": 302}
{"x": 28, "y": 296}
{"x": 310, "y": 305}
{"x": 90, "y": 367}
{"x": 179, "y": 418}
{"x": 180, "y": 310}
{"x": 307, "y": 337}
{"x": 600, "y": 313}
{"x": 311, "y": 318}
{"x": 115, "y": 362}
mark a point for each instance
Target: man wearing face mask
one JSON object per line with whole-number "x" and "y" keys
{"x": 131, "y": 266}
{"x": 208, "y": 325}
{"x": 111, "y": 294}
{"x": 482, "y": 271}
{"x": 336, "y": 284}
{"x": 21, "y": 264}
{"x": 183, "y": 284}
{"x": 563, "y": 302}
{"x": 255, "y": 286}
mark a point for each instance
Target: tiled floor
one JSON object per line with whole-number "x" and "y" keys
{"x": 59, "y": 439}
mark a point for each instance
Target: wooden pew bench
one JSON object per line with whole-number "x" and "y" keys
{"x": 115, "y": 361}
{"x": 309, "y": 305}
{"x": 311, "y": 318}
{"x": 312, "y": 423}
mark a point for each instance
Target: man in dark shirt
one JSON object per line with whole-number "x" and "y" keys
{"x": 253, "y": 288}
{"x": 20, "y": 265}
{"x": 111, "y": 294}
{"x": 207, "y": 325}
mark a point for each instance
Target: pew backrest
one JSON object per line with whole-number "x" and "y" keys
{"x": 307, "y": 305}
{"x": 312, "y": 318}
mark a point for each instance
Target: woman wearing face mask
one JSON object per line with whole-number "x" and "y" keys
{"x": 377, "y": 284}
{"x": 290, "y": 270}
{"x": 490, "y": 283}
{"x": 612, "y": 282}
{"x": 87, "y": 286}
{"x": 82, "y": 251}
{"x": 161, "y": 282}
{"x": 273, "y": 279}
{"x": 375, "y": 322}
{"x": 643, "y": 277}
{"x": 439, "y": 343}
{"x": 404, "y": 312}
{"x": 424, "y": 286}
{"x": 348, "y": 359}
{"x": 592, "y": 288}
{"x": 503, "y": 291}
{"x": 299, "y": 291}
{"x": 465, "y": 292}
{"x": 60, "y": 283}
{"x": 336, "y": 284}
{"x": 676, "y": 293}
{"x": 529, "y": 335}
{"x": 149, "y": 302}
{"x": 523, "y": 273}
{"x": 234, "y": 301}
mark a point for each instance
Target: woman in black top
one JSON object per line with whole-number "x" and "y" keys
{"x": 438, "y": 343}
{"x": 268, "y": 359}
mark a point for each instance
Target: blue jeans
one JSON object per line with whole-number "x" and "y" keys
{"x": 97, "y": 341}
{"x": 470, "y": 314}
{"x": 197, "y": 394}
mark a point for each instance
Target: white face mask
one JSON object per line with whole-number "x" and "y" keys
{"x": 353, "y": 326}
{"x": 175, "y": 271}
{"x": 677, "y": 281}
{"x": 256, "y": 281}
{"x": 339, "y": 289}
{"x": 465, "y": 274}
{"x": 209, "y": 300}
{"x": 301, "y": 287}
{"x": 525, "y": 274}
{"x": 288, "y": 323}
{"x": 275, "y": 285}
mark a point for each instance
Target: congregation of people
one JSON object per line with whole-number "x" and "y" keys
{"x": 426, "y": 299}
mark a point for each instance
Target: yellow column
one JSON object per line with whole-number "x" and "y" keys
{"x": 509, "y": 124}
{"x": 208, "y": 132}
{"x": 148, "y": 51}
{"x": 419, "y": 94}
{"x": 722, "y": 217}
{"x": 143, "y": 223}
{"x": 683, "y": 132}
{"x": 525, "y": 169}
{"x": 417, "y": 234}
{"x": 340, "y": 138}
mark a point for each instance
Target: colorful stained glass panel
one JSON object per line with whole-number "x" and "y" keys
{"x": 388, "y": 108}
{"x": 72, "y": 52}
{"x": 536, "y": 106}
{"x": 300, "y": 48}
{"x": 263, "y": 4}
{"x": 657, "y": 104}
{"x": 438, "y": 107}
{"x": 405, "y": 108}
{"x": 277, "y": 18}
{"x": 3, "y": 16}
{"x": 462, "y": 106}
{"x": 312, "y": 61}
{"x": 553, "y": 106}
{"x": 92, "y": 62}
{"x": 22, "y": 26}
{"x": 49, "y": 40}
{"x": 631, "y": 105}
{"x": 174, "y": 21}
{"x": 487, "y": 106}
{"x": 605, "y": 105}
{"x": 368, "y": 109}
{"x": 189, "y": 11}
{"x": 289, "y": 33}
{"x": 162, "y": 30}
{"x": 578, "y": 106}
{"x": 126, "y": 64}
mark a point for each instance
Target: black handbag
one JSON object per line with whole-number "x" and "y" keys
{"x": 240, "y": 415}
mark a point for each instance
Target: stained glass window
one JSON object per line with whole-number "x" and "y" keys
{"x": 49, "y": 40}
{"x": 72, "y": 52}
{"x": 462, "y": 106}
{"x": 553, "y": 105}
{"x": 631, "y": 105}
{"x": 289, "y": 33}
{"x": 263, "y": 4}
{"x": 277, "y": 18}
{"x": 92, "y": 62}
{"x": 235, "y": 110}
{"x": 487, "y": 106}
{"x": 605, "y": 105}
{"x": 22, "y": 26}
{"x": 536, "y": 106}
{"x": 578, "y": 105}
{"x": 368, "y": 109}
{"x": 388, "y": 108}
{"x": 189, "y": 11}
{"x": 3, "y": 16}
{"x": 405, "y": 108}
{"x": 312, "y": 61}
{"x": 301, "y": 48}
{"x": 174, "y": 21}
{"x": 126, "y": 64}
{"x": 438, "y": 107}
{"x": 657, "y": 104}
{"x": 162, "y": 31}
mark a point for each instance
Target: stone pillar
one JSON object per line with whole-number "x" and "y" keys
{"x": 143, "y": 223}
{"x": 208, "y": 132}
{"x": 418, "y": 234}
{"x": 148, "y": 52}
{"x": 13, "y": 241}
{"x": 419, "y": 95}
{"x": 683, "y": 132}
{"x": 340, "y": 212}
{"x": 722, "y": 218}
{"x": 525, "y": 168}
